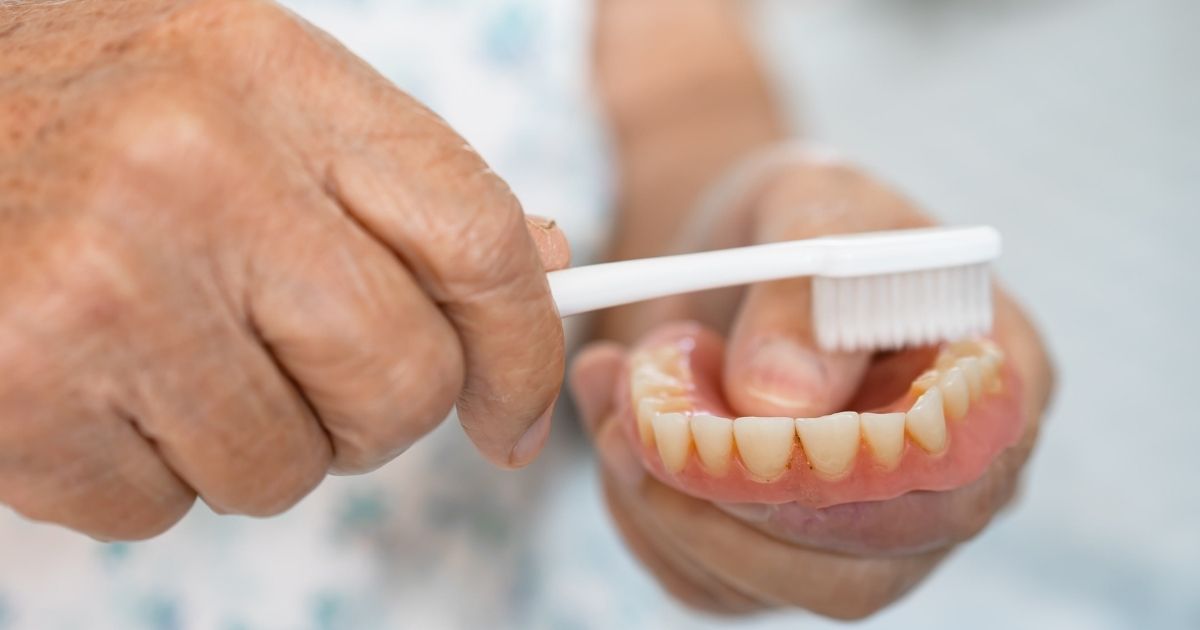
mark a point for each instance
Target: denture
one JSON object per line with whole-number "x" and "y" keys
{"x": 936, "y": 429}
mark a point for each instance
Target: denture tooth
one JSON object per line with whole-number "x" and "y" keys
{"x": 955, "y": 394}
{"x": 648, "y": 380}
{"x": 989, "y": 364}
{"x": 989, "y": 347}
{"x": 926, "y": 422}
{"x": 962, "y": 348}
{"x": 830, "y": 443}
{"x": 927, "y": 379}
{"x": 765, "y": 445}
{"x": 884, "y": 435}
{"x": 663, "y": 354}
{"x": 647, "y": 408}
{"x": 669, "y": 360}
{"x": 673, "y": 438}
{"x": 976, "y": 347}
{"x": 714, "y": 442}
{"x": 944, "y": 361}
{"x": 972, "y": 369}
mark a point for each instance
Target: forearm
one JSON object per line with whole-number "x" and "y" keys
{"x": 686, "y": 98}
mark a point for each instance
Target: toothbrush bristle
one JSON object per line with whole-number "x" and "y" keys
{"x": 890, "y": 311}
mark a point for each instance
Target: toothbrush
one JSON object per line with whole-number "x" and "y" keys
{"x": 871, "y": 291}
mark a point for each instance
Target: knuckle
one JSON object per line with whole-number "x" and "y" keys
{"x": 817, "y": 198}
{"x": 265, "y": 19}
{"x": 488, "y": 242}
{"x": 142, "y": 522}
{"x": 158, "y": 131}
{"x": 271, "y": 495}
{"x": 423, "y": 382}
{"x": 279, "y": 480}
{"x": 239, "y": 42}
{"x": 492, "y": 266}
{"x": 265, "y": 472}
{"x": 84, "y": 290}
{"x": 125, "y": 513}
{"x": 281, "y": 495}
{"x": 101, "y": 289}
{"x": 434, "y": 369}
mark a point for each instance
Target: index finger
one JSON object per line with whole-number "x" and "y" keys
{"x": 420, "y": 189}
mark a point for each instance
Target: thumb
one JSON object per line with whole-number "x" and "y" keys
{"x": 774, "y": 366}
{"x": 593, "y": 381}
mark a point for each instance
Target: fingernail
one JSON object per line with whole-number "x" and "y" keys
{"x": 541, "y": 222}
{"x": 786, "y": 376}
{"x": 531, "y": 443}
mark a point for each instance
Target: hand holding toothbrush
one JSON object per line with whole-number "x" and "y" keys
{"x": 233, "y": 259}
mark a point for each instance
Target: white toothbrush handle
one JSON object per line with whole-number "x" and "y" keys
{"x": 865, "y": 254}
{"x": 593, "y": 287}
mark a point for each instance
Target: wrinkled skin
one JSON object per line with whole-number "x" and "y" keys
{"x": 844, "y": 561}
{"x": 233, "y": 259}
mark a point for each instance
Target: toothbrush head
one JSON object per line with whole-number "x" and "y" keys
{"x": 917, "y": 288}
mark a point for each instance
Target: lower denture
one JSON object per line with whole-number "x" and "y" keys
{"x": 938, "y": 434}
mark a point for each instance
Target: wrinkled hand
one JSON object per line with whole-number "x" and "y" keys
{"x": 840, "y": 561}
{"x": 233, "y": 258}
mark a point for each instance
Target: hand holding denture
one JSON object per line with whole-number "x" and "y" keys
{"x": 750, "y": 469}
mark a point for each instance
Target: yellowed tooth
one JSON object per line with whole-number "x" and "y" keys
{"x": 674, "y": 440}
{"x": 647, "y": 380}
{"x": 713, "y": 436}
{"x": 987, "y": 346}
{"x": 968, "y": 347}
{"x": 830, "y": 443}
{"x": 927, "y": 379}
{"x": 955, "y": 394}
{"x": 884, "y": 435}
{"x": 973, "y": 371}
{"x": 669, "y": 360}
{"x": 989, "y": 365}
{"x": 765, "y": 445}
{"x": 647, "y": 408}
{"x": 663, "y": 354}
{"x": 926, "y": 421}
{"x": 945, "y": 360}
